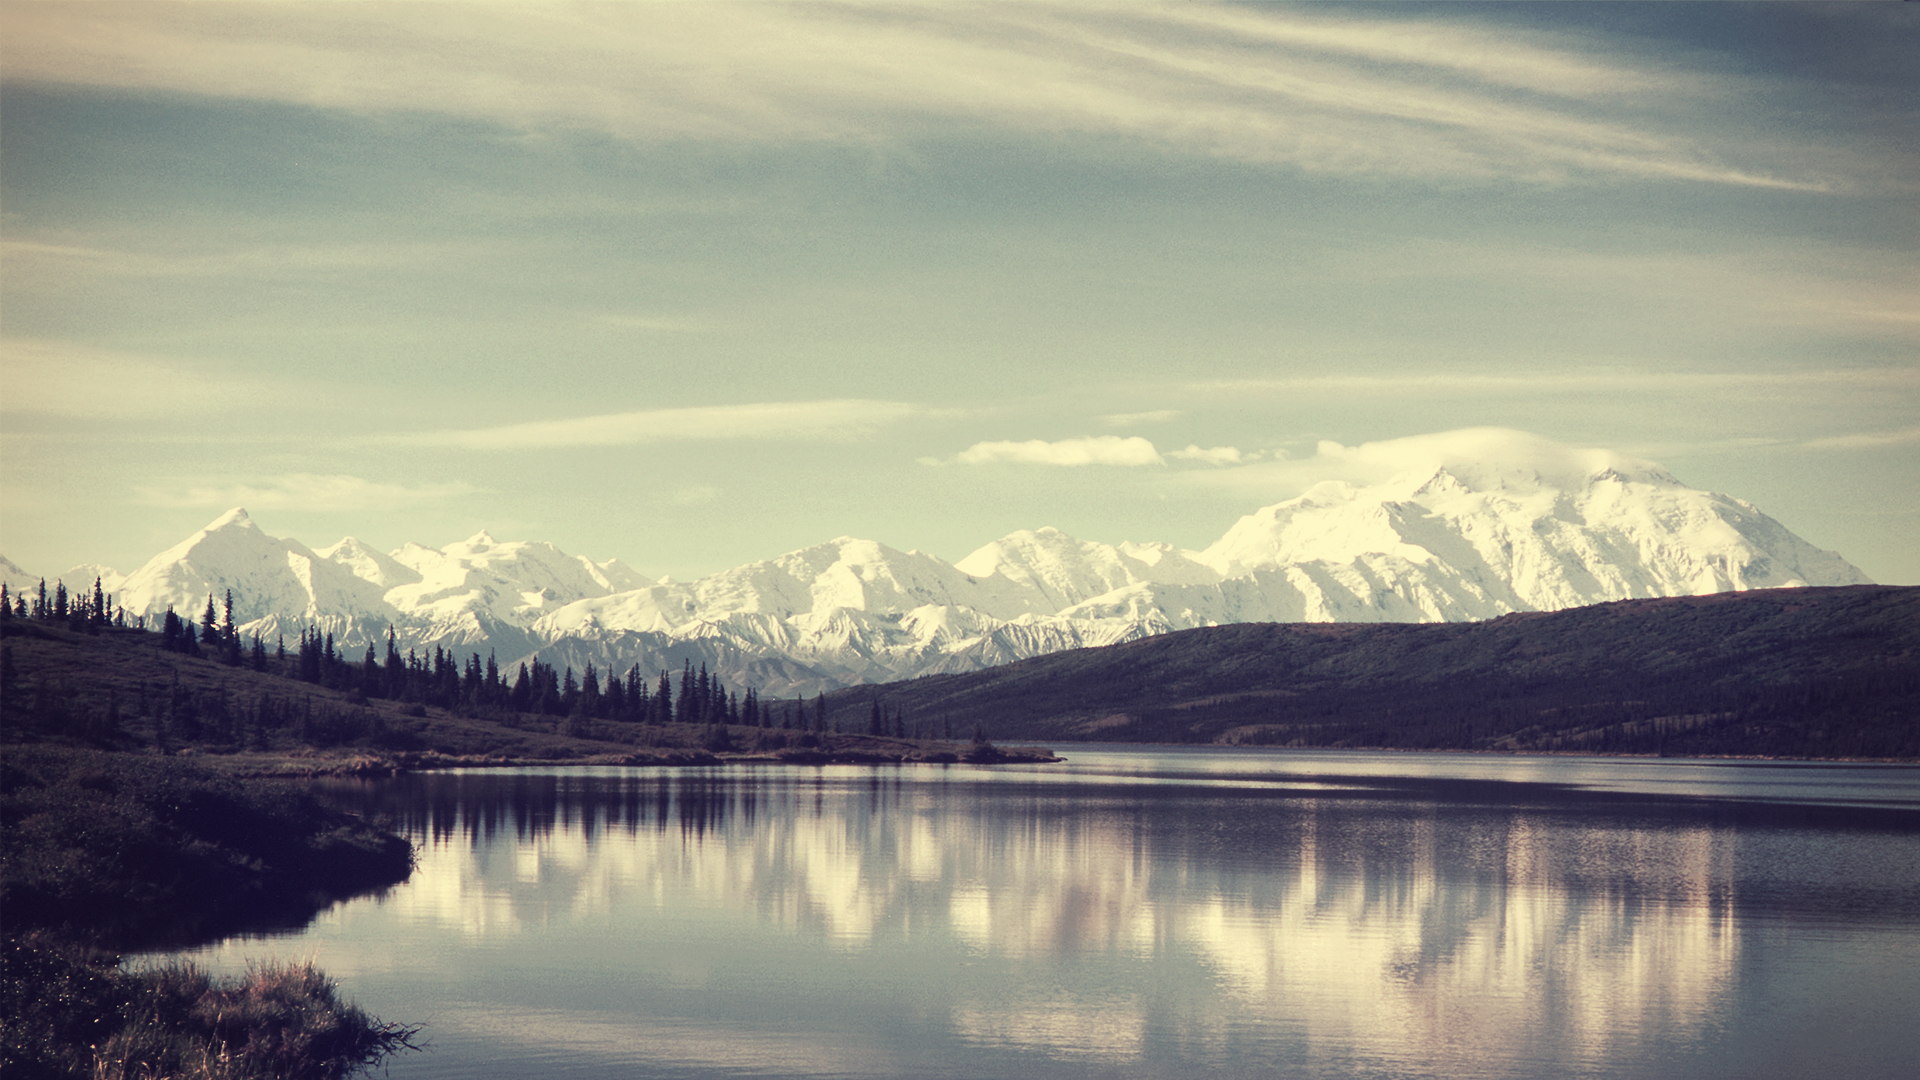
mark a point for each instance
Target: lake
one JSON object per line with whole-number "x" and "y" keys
{"x": 1145, "y": 912}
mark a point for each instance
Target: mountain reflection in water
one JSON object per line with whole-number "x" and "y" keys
{"x": 1140, "y": 920}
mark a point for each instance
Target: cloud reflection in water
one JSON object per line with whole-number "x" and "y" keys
{"x": 910, "y": 914}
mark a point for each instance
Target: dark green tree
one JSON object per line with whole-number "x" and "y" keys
{"x": 394, "y": 670}
{"x": 588, "y": 702}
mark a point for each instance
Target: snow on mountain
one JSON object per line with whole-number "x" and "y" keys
{"x": 278, "y": 585}
{"x": 17, "y": 581}
{"x": 1461, "y": 541}
{"x": 1453, "y": 540}
{"x": 22, "y": 583}
{"x": 1474, "y": 547}
{"x": 476, "y": 595}
{"x": 1052, "y": 571}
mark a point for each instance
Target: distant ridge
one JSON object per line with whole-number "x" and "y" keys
{"x": 1820, "y": 672}
{"x": 1462, "y": 541}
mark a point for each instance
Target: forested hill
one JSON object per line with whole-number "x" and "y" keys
{"x": 1811, "y": 672}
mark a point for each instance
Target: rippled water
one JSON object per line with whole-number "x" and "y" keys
{"x": 1147, "y": 913}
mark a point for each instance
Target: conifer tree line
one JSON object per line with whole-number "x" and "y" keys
{"x": 79, "y": 611}
{"x": 441, "y": 678}
{"x": 444, "y": 679}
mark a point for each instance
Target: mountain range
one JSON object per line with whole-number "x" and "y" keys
{"x": 1463, "y": 542}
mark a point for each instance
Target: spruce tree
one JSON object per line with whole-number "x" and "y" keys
{"x": 613, "y": 702}
{"x": 394, "y": 673}
{"x": 589, "y": 703}
{"x": 683, "y": 705}
{"x": 520, "y": 698}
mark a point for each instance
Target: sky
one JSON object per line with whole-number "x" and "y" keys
{"x": 691, "y": 285}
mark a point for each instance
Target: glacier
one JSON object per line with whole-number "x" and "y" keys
{"x": 1458, "y": 542}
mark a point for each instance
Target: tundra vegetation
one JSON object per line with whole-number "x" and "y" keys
{"x": 103, "y": 851}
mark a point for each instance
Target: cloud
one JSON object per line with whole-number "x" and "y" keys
{"x": 1129, "y": 451}
{"x": 1491, "y": 446}
{"x": 1501, "y": 449}
{"x": 1602, "y": 380}
{"x": 828, "y": 420}
{"x": 1324, "y": 91}
{"x": 1158, "y": 416}
{"x": 44, "y": 260}
{"x": 304, "y": 491}
{"x": 1866, "y": 440}
{"x": 1218, "y": 455}
{"x": 1096, "y": 450}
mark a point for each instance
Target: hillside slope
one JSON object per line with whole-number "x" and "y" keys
{"x": 1829, "y": 672}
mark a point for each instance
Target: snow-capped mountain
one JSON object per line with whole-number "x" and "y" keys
{"x": 1457, "y": 542}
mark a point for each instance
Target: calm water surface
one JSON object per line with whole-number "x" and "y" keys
{"x": 1146, "y": 913}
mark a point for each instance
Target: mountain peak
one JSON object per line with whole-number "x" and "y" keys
{"x": 1472, "y": 525}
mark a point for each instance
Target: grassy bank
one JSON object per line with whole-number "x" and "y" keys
{"x": 103, "y": 851}
{"x": 139, "y": 851}
{"x": 74, "y": 1012}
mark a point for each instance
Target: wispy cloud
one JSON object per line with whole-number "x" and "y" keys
{"x": 1867, "y": 440}
{"x": 1131, "y": 451}
{"x": 1132, "y": 419}
{"x": 302, "y": 491}
{"x": 42, "y": 259}
{"x": 827, "y": 420}
{"x": 1432, "y": 383}
{"x": 1375, "y": 462}
{"x": 1215, "y": 455}
{"x": 695, "y": 495}
{"x": 57, "y": 378}
{"x": 652, "y": 324}
{"x": 1125, "y": 451}
{"x": 1320, "y": 90}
